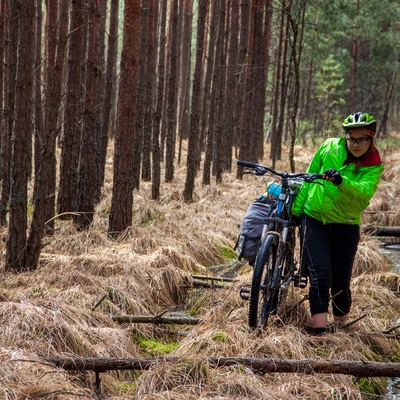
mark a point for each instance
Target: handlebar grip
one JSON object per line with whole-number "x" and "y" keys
{"x": 246, "y": 164}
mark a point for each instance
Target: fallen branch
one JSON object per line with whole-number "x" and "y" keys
{"x": 376, "y": 230}
{"x": 201, "y": 283}
{"x": 140, "y": 319}
{"x": 213, "y": 278}
{"x": 257, "y": 365}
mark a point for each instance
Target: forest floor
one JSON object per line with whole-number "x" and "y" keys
{"x": 66, "y": 307}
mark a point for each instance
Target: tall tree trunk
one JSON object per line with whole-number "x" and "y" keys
{"x": 149, "y": 98}
{"x": 88, "y": 181}
{"x": 122, "y": 197}
{"x": 156, "y": 148}
{"x": 219, "y": 92}
{"x": 21, "y": 139}
{"x": 232, "y": 81}
{"x": 241, "y": 90}
{"x": 71, "y": 136}
{"x": 274, "y": 154}
{"x": 382, "y": 129}
{"x": 110, "y": 84}
{"x": 7, "y": 80}
{"x": 170, "y": 139}
{"x": 195, "y": 110}
{"x": 56, "y": 30}
{"x": 185, "y": 61}
{"x": 140, "y": 96}
{"x": 354, "y": 62}
{"x": 209, "y": 111}
{"x": 37, "y": 87}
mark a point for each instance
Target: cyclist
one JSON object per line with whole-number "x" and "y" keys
{"x": 331, "y": 214}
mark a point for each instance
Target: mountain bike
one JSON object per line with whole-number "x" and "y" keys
{"x": 275, "y": 267}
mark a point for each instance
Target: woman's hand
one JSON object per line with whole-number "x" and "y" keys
{"x": 333, "y": 176}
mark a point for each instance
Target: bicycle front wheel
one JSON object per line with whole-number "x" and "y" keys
{"x": 263, "y": 299}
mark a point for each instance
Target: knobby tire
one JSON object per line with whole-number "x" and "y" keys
{"x": 263, "y": 301}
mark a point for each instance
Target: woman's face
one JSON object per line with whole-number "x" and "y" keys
{"x": 358, "y": 142}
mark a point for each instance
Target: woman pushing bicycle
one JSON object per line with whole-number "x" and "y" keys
{"x": 331, "y": 215}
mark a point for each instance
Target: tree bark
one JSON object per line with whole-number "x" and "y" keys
{"x": 141, "y": 319}
{"x": 170, "y": 139}
{"x": 159, "y": 96}
{"x": 195, "y": 110}
{"x": 122, "y": 197}
{"x": 88, "y": 176}
{"x": 257, "y": 365}
{"x": 71, "y": 137}
{"x": 110, "y": 84}
{"x": 21, "y": 140}
{"x": 45, "y": 174}
{"x": 376, "y": 230}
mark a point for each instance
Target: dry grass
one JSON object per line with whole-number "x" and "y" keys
{"x": 50, "y": 312}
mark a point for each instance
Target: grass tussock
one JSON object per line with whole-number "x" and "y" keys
{"x": 66, "y": 306}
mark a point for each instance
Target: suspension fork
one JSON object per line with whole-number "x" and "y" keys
{"x": 280, "y": 255}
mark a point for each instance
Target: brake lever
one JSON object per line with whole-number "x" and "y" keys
{"x": 260, "y": 170}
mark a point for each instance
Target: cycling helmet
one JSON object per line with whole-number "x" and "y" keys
{"x": 360, "y": 120}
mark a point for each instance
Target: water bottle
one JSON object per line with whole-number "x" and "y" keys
{"x": 273, "y": 190}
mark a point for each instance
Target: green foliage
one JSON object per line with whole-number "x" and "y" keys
{"x": 227, "y": 253}
{"x": 153, "y": 347}
{"x": 372, "y": 387}
{"x": 220, "y": 337}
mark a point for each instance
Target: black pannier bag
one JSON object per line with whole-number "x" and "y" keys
{"x": 255, "y": 218}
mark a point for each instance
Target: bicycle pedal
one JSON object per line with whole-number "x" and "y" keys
{"x": 300, "y": 281}
{"x": 245, "y": 291}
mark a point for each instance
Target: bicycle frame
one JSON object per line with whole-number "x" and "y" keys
{"x": 274, "y": 268}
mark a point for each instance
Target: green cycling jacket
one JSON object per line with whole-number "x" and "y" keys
{"x": 344, "y": 203}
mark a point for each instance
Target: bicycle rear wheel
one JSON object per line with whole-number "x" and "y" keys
{"x": 263, "y": 300}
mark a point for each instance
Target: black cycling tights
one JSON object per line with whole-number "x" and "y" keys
{"x": 328, "y": 253}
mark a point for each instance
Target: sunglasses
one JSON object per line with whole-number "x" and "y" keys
{"x": 361, "y": 140}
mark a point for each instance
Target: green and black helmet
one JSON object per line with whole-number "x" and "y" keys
{"x": 360, "y": 120}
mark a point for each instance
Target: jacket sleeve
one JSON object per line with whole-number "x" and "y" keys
{"x": 364, "y": 189}
{"x": 314, "y": 168}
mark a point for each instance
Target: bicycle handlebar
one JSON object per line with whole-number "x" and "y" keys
{"x": 263, "y": 169}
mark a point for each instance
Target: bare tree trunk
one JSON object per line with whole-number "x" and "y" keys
{"x": 45, "y": 174}
{"x": 258, "y": 365}
{"x": 156, "y": 148}
{"x": 184, "y": 96}
{"x": 140, "y": 129}
{"x": 195, "y": 110}
{"x": 4, "y": 126}
{"x": 170, "y": 139}
{"x": 209, "y": 111}
{"x": 37, "y": 85}
{"x": 219, "y": 92}
{"x": 71, "y": 137}
{"x": 275, "y": 134}
{"x": 88, "y": 182}
{"x": 382, "y": 129}
{"x": 110, "y": 84}
{"x": 21, "y": 140}
{"x": 122, "y": 198}
{"x": 232, "y": 81}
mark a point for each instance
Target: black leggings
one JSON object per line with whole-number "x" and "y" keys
{"x": 328, "y": 252}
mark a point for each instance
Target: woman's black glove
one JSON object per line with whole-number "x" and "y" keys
{"x": 334, "y": 176}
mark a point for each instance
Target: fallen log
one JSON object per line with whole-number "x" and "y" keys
{"x": 213, "y": 278}
{"x": 140, "y": 319}
{"x": 205, "y": 284}
{"x": 257, "y": 365}
{"x": 377, "y": 230}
